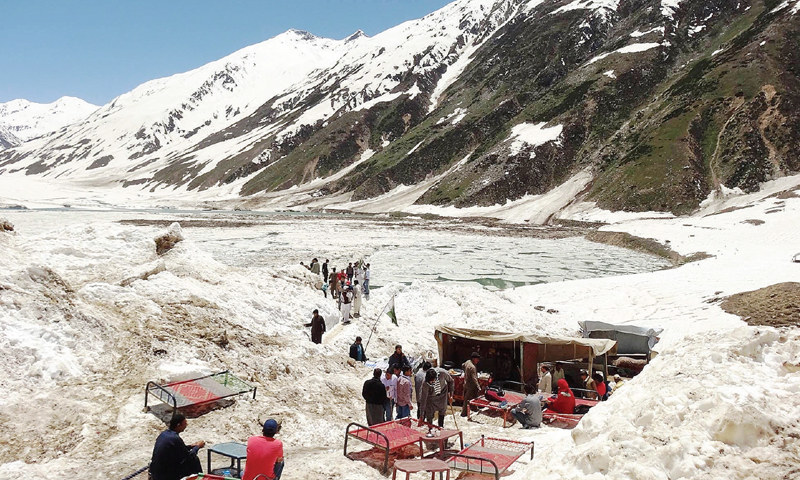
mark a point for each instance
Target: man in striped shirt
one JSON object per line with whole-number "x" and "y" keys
{"x": 437, "y": 389}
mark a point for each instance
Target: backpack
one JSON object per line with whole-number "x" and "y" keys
{"x": 495, "y": 394}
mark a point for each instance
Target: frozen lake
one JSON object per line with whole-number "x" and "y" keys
{"x": 400, "y": 250}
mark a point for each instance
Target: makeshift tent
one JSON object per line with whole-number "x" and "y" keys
{"x": 631, "y": 340}
{"x": 456, "y": 344}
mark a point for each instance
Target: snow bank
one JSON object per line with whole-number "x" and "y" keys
{"x": 718, "y": 402}
{"x": 720, "y": 411}
{"x": 603, "y": 6}
{"x": 529, "y": 134}
{"x": 669, "y": 7}
{"x": 633, "y": 48}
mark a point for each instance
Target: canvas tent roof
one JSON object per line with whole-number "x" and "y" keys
{"x": 630, "y": 338}
{"x": 556, "y": 347}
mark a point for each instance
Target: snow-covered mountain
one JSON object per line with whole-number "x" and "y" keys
{"x": 26, "y": 120}
{"x": 643, "y": 105}
{"x": 204, "y": 118}
{"x": 8, "y": 139}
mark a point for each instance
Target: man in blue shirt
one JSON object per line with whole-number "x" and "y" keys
{"x": 173, "y": 459}
{"x": 357, "y": 351}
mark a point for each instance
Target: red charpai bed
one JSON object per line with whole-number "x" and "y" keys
{"x": 489, "y": 455}
{"x": 389, "y": 436}
{"x": 512, "y": 398}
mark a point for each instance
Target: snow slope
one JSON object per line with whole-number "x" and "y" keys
{"x": 27, "y": 120}
{"x": 84, "y": 327}
{"x": 8, "y": 139}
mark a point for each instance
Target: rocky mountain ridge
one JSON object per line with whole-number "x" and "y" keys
{"x": 634, "y": 105}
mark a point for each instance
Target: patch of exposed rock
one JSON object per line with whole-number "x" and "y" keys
{"x": 167, "y": 241}
{"x": 776, "y": 306}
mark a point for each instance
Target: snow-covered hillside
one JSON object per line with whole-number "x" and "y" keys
{"x": 432, "y": 116}
{"x": 8, "y": 139}
{"x": 200, "y": 118}
{"x": 26, "y": 120}
{"x": 89, "y": 313}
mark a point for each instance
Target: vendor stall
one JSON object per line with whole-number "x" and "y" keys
{"x": 514, "y": 357}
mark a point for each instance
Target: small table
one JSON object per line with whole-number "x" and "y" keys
{"x": 441, "y": 439}
{"x": 416, "y": 465}
{"x": 235, "y": 451}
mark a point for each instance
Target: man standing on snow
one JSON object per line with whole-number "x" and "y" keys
{"x": 419, "y": 379}
{"x": 366, "y": 282}
{"x": 333, "y": 284}
{"x": 350, "y": 272}
{"x": 357, "y": 351}
{"x": 472, "y": 387}
{"x": 317, "y": 327}
{"x": 356, "y": 299}
{"x": 437, "y": 390}
{"x": 347, "y": 302}
{"x": 359, "y": 272}
{"x": 390, "y": 383}
{"x": 325, "y": 271}
{"x": 375, "y": 395}
{"x": 315, "y": 266}
{"x": 404, "y": 406}
{"x": 398, "y": 358}
{"x": 173, "y": 459}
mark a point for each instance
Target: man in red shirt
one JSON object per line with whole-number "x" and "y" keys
{"x": 264, "y": 453}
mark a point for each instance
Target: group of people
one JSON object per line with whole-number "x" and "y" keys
{"x": 434, "y": 387}
{"x": 348, "y": 287}
{"x": 599, "y": 388}
{"x": 388, "y": 393}
{"x": 389, "y": 390}
{"x": 173, "y": 459}
{"x": 595, "y": 385}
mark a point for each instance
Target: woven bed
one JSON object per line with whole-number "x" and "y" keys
{"x": 489, "y": 456}
{"x": 513, "y": 399}
{"x": 389, "y": 436}
{"x": 567, "y": 420}
{"x": 198, "y": 391}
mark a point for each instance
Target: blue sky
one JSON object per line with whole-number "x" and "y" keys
{"x": 98, "y": 49}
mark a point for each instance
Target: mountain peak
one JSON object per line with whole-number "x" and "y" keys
{"x": 355, "y": 36}
{"x": 300, "y": 34}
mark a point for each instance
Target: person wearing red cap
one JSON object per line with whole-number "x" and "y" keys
{"x": 264, "y": 453}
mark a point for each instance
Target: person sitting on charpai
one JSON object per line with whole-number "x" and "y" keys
{"x": 264, "y": 454}
{"x": 529, "y": 410}
{"x": 564, "y": 401}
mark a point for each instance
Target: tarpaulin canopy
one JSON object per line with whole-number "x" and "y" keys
{"x": 551, "y": 348}
{"x": 630, "y": 338}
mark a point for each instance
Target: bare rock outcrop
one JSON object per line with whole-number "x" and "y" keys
{"x": 167, "y": 241}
